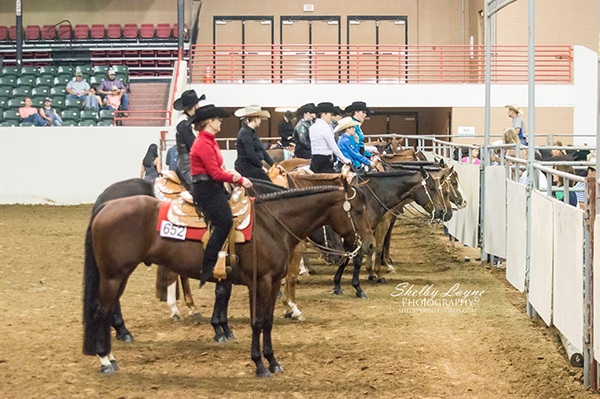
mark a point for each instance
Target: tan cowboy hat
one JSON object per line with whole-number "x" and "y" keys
{"x": 345, "y": 123}
{"x": 252, "y": 110}
{"x": 515, "y": 108}
{"x": 592, "y": 158}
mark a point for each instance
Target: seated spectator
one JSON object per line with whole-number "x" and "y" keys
{"x": 559, "y": 182}
{"x": 558, "y": 153}
{"x": 348, "y": 142}
{"x": 107, "y": 85}
{"x": 474, "y": 156}
{"x": 30, "y": 114}
{"x": 112, "y": 101}
{"x": 92, "y": 101}
{"x": 172, "y": 158}
{"x": 49, "y": 114}
{"x": 78, "y": 88}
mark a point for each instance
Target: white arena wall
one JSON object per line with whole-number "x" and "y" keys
{"x": 69, "y": 165}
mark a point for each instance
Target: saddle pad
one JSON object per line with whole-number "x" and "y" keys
{"x": 194, "y": 233}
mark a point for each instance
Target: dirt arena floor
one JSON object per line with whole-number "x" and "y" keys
{"x": 390, "y": 345}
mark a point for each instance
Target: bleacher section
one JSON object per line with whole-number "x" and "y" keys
{"x": 148, "y": 51}
{"x": 50, "y": 81}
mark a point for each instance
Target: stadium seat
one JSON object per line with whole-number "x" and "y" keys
{"x": 70, "y": 115}
{"x": 165, "y": 73}
{"x": 49, "y": 32}
{"x": 12, "y": 33}
{"x": 147, "y": 31}
{"x": 41, "y": 54}
{"x": 105, "y": 123}
{"x": 121, "y": 69}
{"x": 84, "y": 69}
{"x": 88, "y": 116}
{"x": 37, "y": 101}
{"x": 14, "y": 104}
{"x": 147, "y": 53}
{"x": 33, "y": 32}
{"x": 176, "y": 31}
{"x": 69, "y": 123}
{"x": 164, "y": 63}
{"x": 148, "y": 63}
{"x": 5, "y": 91}
{"x": 130, "y": 53}
{"x": 10, "y": 70}
{"x": 21, "y": 91}
{"x": 113, "y": 31}
{"x": 62, "y": 80}
{"x": 64, "y": 32}
{"x": 73, "y": 103}
{"x": 99, "y": 63}
{"x": 66, "y": 70}
{"x": 106, "y": 115}
{"x": 115, "y": 53}
{"x": 8, "y": 81}
{"x": 87, "y": 123}
{"x": 47, "y": 71}
{"x": 10, "y": 114}
{"x": 3, "y": 32}
{"x": 98, "y": 32}
{"x": 58, "y": 90}
{"x": 116, "y": 62}
{"x": 40, "y": 91}
{"x": 130, "y": 31}
{"x": 82, "y": 32}
{"x": 25, "y": 81}
{"x": 97, "y": 79}
{"x": 98, "y": 54}
{"x": 44, "y": 80}
{"x": 163, "y": 53}
{"x": 100, "y": 69}
{"x": 29, "y": 71}
{"x": 27, "y": 124}
{"x": 132, "y": 63}
{"x": 9, "y": 123}
{"x": 163, "y": 31}
{"x": 3, "y": 102}
{"x": 58, "y": 101}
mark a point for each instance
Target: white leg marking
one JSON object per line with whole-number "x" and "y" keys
{"x": 303, "y": 269}
{"x": 296, "y": 313}
{"x": 111, "y": 357}
{"x": 104, "y": 360}
{"x": 172, "y": 300}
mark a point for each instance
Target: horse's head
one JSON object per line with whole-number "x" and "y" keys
{"x": 349, "y": 219}
{"x": 455, "y": 193}
{"x": 429, "y": 195}
{"x": 327, "y": 237}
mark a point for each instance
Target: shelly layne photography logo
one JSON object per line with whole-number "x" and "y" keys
{"x": 429, "y": 299}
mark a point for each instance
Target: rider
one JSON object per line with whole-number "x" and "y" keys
{"x": 301, "y": 131}
{"x": 348, "y": 143}
{"x": 208, "y": 176}
{"x": 185, "y": 136}
{"x": 250, "y": 149}
{"x": 358, "y": 111}
{"x": 322, "y": 143}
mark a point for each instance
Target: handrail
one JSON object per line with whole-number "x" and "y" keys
{"x": 174, "y": 91}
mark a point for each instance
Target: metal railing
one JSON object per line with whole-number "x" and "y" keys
{"x": 346, "y": 63}
{"x": 117, "y": 118}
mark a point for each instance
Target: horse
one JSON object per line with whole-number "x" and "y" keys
{"x": 122, "y": 234}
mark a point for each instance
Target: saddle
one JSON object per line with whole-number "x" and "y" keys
{"x": 278, "y": 176}
{"x": 168, "y": 186}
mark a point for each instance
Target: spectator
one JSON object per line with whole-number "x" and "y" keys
{"x": 107, "y": 85}
{"x": 337, "y": 117}
{"x": 348, "y": 143}
{"x": 151, "y": 164}
{"x": 542, "y": 181}
{"x": 581, "y": 194}
{"x": 302, "y": 130}
{"x": 172, "y": 158}
{"x": 50, "y": 114}
{"x": 286, "y": 129}
{"x": 30, "y": 114}
{"x": 112, "y": 101}
{"x": 559, "y": 182}
{"x": 78, "y": 88}
{"x": 518, "y": 123}
{"x": 474, "y": 156}
{"x": 92, "y": 101}
{"x": 558, "y": 153}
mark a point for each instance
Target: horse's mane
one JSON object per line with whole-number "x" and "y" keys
{"x": 394, "y": 173}
{"x": 265, "y": 187}
{"x": 413, "y": 163}
{"x": 297, "y": 192}
{"x": 318, "y": 176}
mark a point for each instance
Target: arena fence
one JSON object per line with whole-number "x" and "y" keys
{"x": 347, "y": 63}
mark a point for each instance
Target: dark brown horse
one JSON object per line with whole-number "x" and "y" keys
{"x": 123, "y": 234}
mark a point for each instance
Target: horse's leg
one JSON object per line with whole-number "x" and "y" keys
{"x": 226, "y": 296}
{"x": 357, "y": 260}
{"x": 215, "y": 319}
{"x": 187, "y": 295}
{"x": 337, "y": 290}
{"x": 118, "y": 324}
{"x": 386, "y": 259}
{"x": 289, "y": 290}
{"x": 380, "y": 234}
{"x": 110, "y": 290}
{"x": 274, "y": 366}
{"x": 172, "y": 295}
{"x": 263, "y": 293}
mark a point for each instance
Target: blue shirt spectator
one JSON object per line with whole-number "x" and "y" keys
{"x": 348, "y": 144}
{"x": 172, "y": 158}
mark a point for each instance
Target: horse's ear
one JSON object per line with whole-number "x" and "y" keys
{"x": 442, "y": 164}
{"x": 451, "y": 168}
{"x": 345, "y": 183}
{"x": 363, "y": 183}
{"x": 416, "y": 146}
{"x": 423, "y": 172}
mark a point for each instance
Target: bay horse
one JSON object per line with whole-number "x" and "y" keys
{"x": 123, "y": 234}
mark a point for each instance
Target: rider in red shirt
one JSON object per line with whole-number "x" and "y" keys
{"x": 208, "y": 176}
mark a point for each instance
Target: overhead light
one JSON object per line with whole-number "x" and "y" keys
{"x": 287, "y": 22}
{"x": 220, "y": 22}
{"x": 266, "y": 22}
{"x": 285, "y": 109}
{"x": 401, "y": 22}
{"x": 355, "y": 22}
{"x": 332, "y": 22}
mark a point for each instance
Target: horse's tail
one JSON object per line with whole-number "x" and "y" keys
{"x": 91, "y": 287}
{"x": 162, "y": 282}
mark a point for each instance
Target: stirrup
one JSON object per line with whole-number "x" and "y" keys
{"x": 220, "y": 270}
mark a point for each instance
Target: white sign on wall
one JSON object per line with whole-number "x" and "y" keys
{"x": 466, "y": 131}
{"x": 309, "y": 7}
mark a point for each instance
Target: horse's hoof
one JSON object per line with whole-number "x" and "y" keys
{"x": 197, "y": 317}
{"x": 288, "y": 315}
{"x": 361, "y": 295}
{"x": 391, "y": 269}
{"x": 125, "y": 337}
{"x": 372, "y": 278}
{"x": 298, "y": 317}
{"x": 107, "y": 369}
{"x": 230, "y": 337}
{"x": 176, "y": 317}
{"x": 220, "y": 338}
{"x": 263, "y": 373}
{"x": 337, "y": 291}
{"x": 276, "y": 368}
{"x": 382, "y": 281}
{"x": 115, "y": 365}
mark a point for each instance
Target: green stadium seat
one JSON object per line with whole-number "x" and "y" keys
{"x": 73, "y": 103}
{"x": 29, "y": 71}
{"x": 58, "y": 89}
{"x": 11, "y": 70}
{"x": 21, "y": 91}
{"x": 96, "y": 80}
{"x": 5, "y": 91}
{"x": 58, "y": 101}
{"x": 85, "y": 69}
{"x": 27, "y": 124}
{"x": 123, "y": 78}
{"x": 38, "y": 101}
{"x": 106, "y": 115}
{"x": 3, "y": 102}
{"x": 100, "y": 70}
{"x": 26, "y": 80}
{"x": 9, "y": 123}
{"x": 8, "y": 80}
{"x": 10, "y": 114}
{"x": 14, "y": 104}
{"x": 70, "y": 114}
{"x": 44, "y": 80}
{"x": 40, "y": 91}
{"x": 47, "y": 71}
{"x": 87, "y": 123}
{"x": 105, "y": 123}
{"x": 88, "y": 116}
{"x": 123, "y": 69}
{"x": 66, "y": 70}
{"x": 62, "y": 79}
{"x": 69, "y": 123}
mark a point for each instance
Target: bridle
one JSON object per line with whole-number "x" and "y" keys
{"x": 451, "y": 187}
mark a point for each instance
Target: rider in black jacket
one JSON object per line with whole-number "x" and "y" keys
{"x": 250, "y": 149}
{"x": 188, "y": 102}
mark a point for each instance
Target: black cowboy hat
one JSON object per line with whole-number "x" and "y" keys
{"x": 309, "y": 107}
{"x": 207, "y": 112}
{"x": 188, "y": 99}
{"x": 358, "y": 106}
{"x": 326, "y": 108}
{"x": 338, "y": 111}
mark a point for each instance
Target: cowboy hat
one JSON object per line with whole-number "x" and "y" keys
{"x": 345, "y": 123}
{"x": 514, "y": 108}
{"x": 207, "y": 112}
{"x": 358, "y": 106}
{"x": 252, "y": 110}
{"x": 325, "y": 108}
{"x": 592, "y": 158}
{"x": 338, "y": 111}
{"x": 309, "y": 107}
{"x": 188, "y": 99}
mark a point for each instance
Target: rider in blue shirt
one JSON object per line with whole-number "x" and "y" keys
{"x": 348, "y": 144}
{"x": 358, "y": 111}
